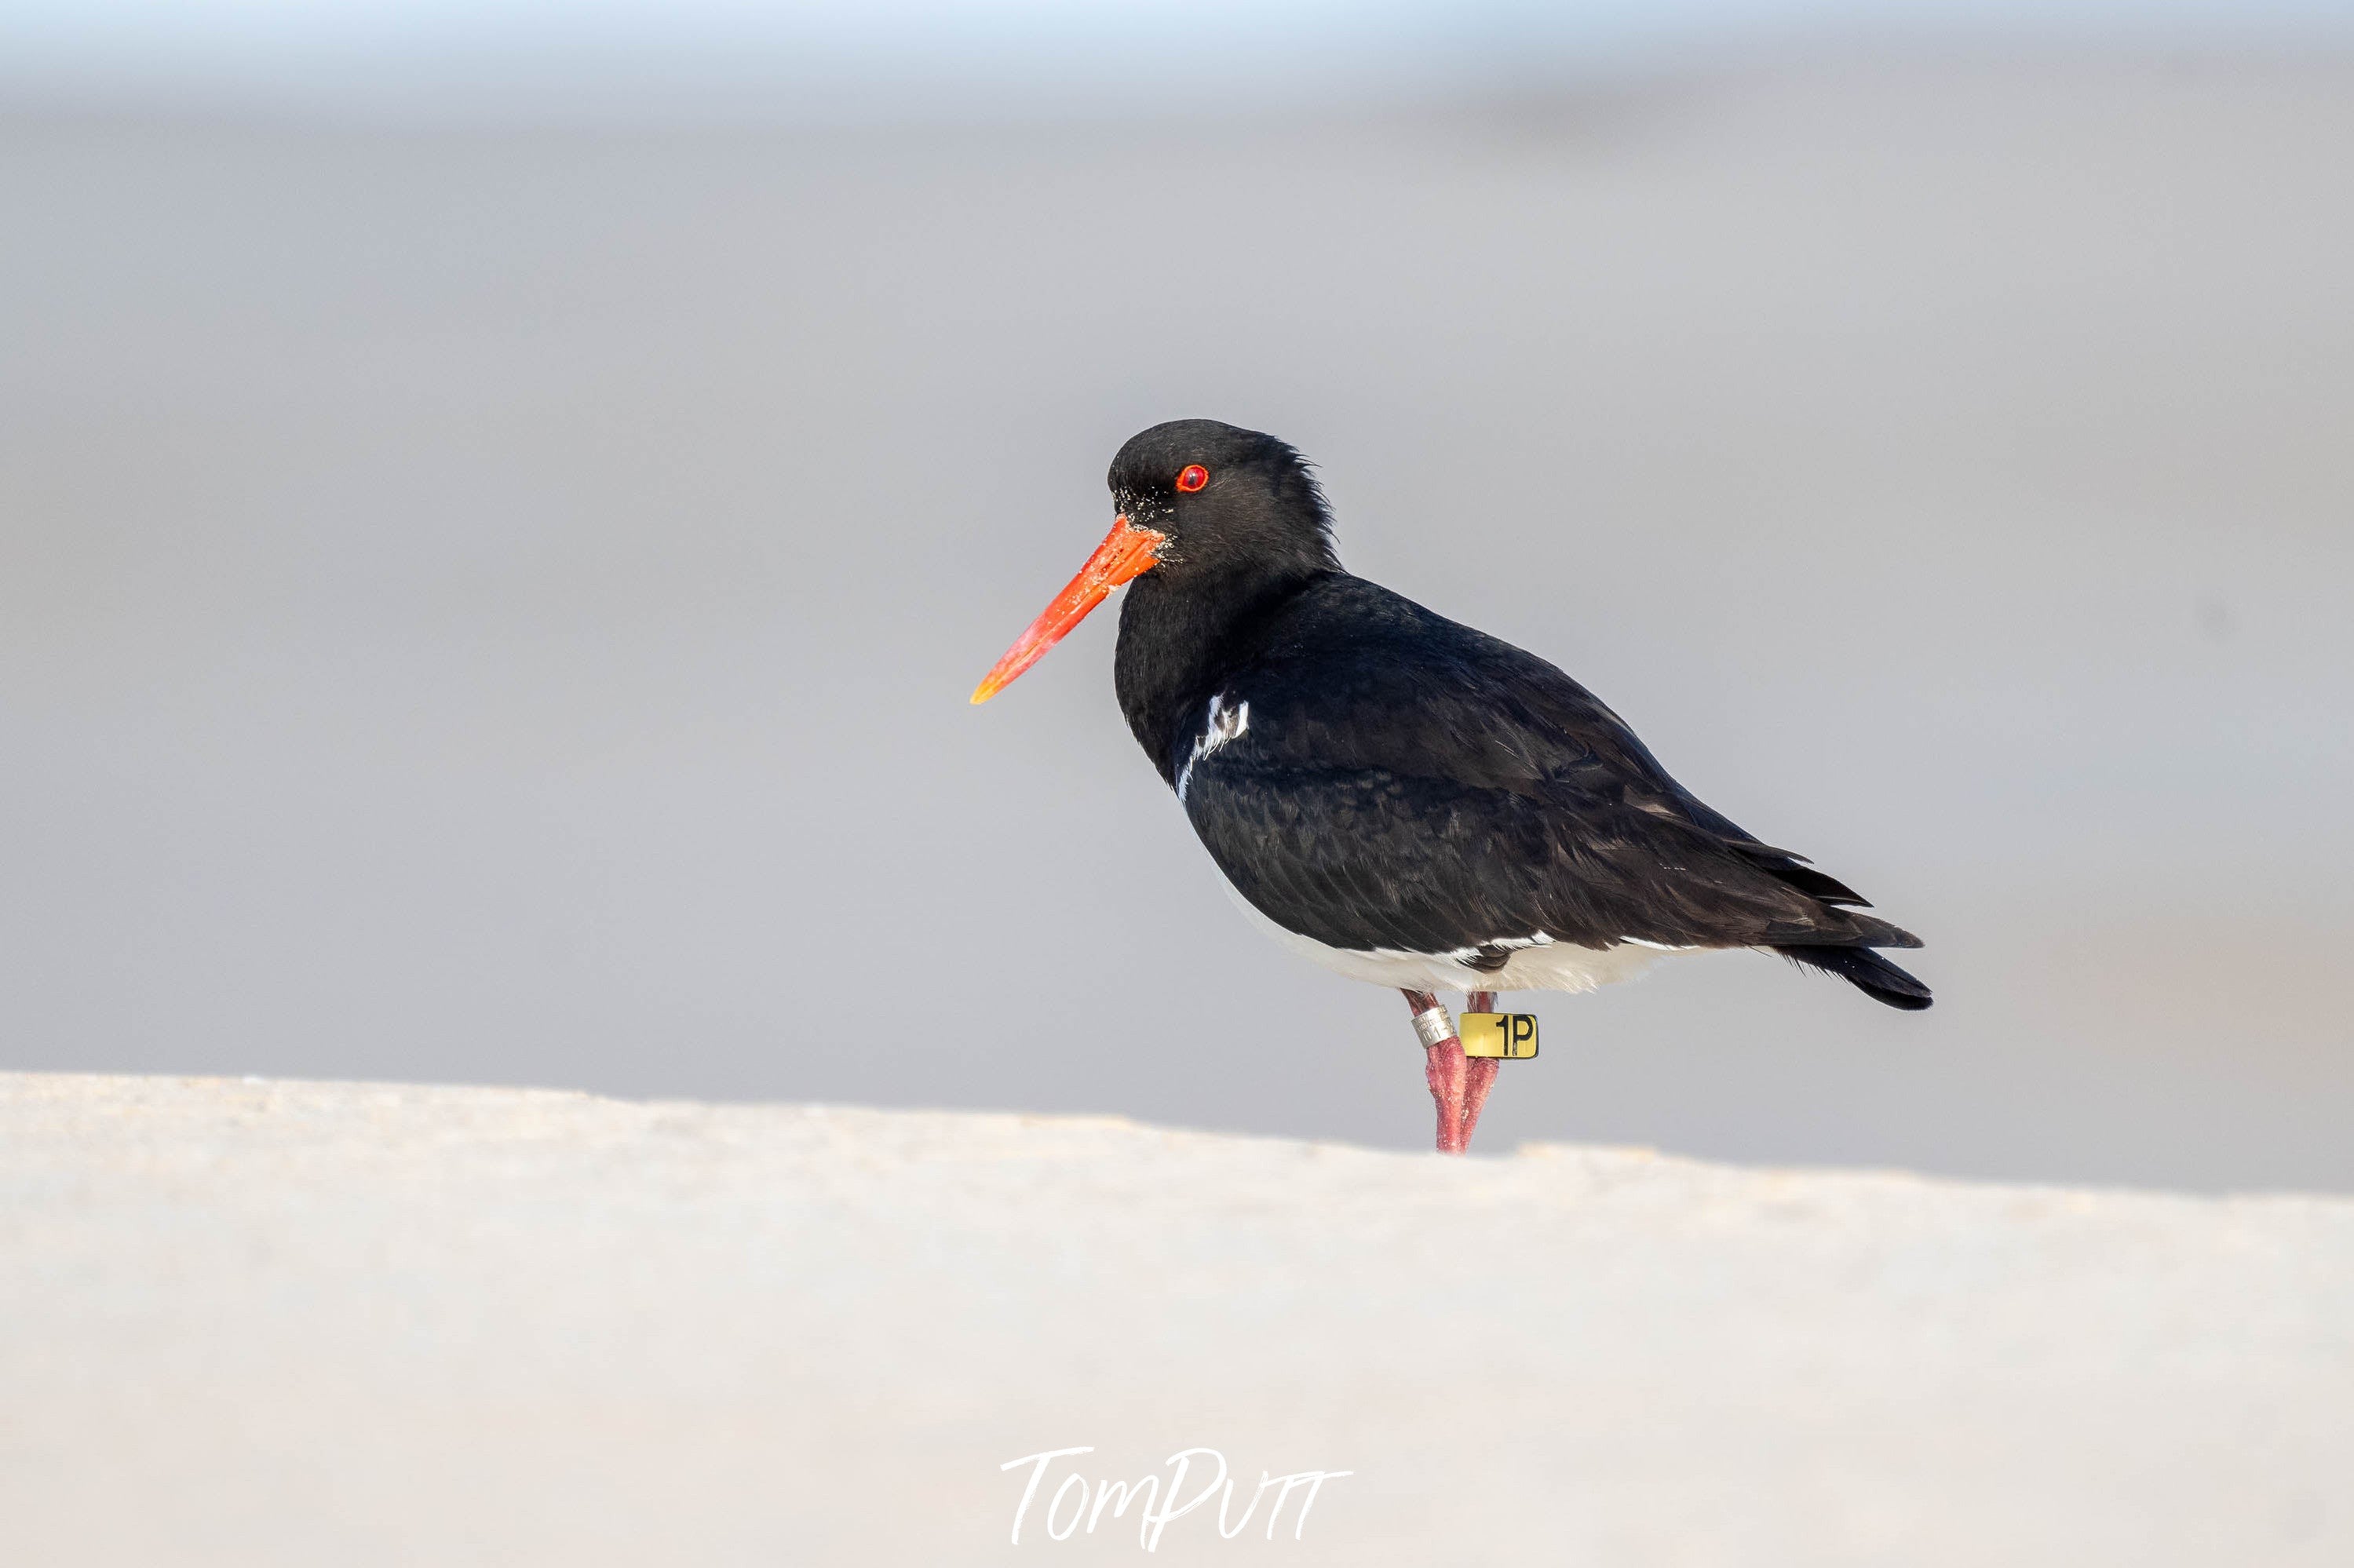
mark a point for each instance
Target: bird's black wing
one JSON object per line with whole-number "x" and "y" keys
{"x": 1377, "y": 776}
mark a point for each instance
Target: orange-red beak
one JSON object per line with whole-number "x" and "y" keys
{"x": 1127, "y": 553}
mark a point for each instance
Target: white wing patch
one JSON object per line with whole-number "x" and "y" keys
{"x": 1224, "y": 725}
{"x": 1533, "y": 965}
{"x": 1534, "y": 940}
{"x": 1465, "y": 955}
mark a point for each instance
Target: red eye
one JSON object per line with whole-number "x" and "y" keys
{"x": 1193, "y": 477}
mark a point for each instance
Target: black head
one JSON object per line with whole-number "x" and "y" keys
{"x": 1207, "y": 512}
{"x": 1229, "y": 499}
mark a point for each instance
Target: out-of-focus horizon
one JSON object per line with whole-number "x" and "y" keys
{"x": 902, "y": 60}
{"x": 499, "y": 516}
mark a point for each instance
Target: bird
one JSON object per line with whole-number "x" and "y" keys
{"x": 1400, "y": 797}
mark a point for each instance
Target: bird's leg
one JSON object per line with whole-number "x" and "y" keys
{"x": 1444, "y": 1069}
{"x": 1478, "y": 1074}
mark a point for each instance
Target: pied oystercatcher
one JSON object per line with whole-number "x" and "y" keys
{"x": 1400, "y": 797}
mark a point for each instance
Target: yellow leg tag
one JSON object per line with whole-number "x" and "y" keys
{"x": 1511, "y": 1037}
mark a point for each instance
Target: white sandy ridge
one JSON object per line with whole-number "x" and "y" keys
{"x": 260, "y": 1323}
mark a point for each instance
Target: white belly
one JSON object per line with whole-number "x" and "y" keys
{"x": 1541, "y": 966}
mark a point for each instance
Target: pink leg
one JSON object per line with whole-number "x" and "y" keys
{"x": 1478, "y": 1074}
{"x": 1444, "y": 1070}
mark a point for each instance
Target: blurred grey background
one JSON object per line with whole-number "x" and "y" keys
{"x": 499, "y": 517}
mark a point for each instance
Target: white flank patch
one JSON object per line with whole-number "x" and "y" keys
{"x": 1224, "y": 725}
{"x": 1537, "y": 963}
{"x": 1536, "y": 939}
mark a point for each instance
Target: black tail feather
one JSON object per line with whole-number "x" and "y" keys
{"x": 1867, "y": 972}
{"x": 1793, "y": 869}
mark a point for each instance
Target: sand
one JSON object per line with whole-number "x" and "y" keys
{"x": 291, "y": 1322}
